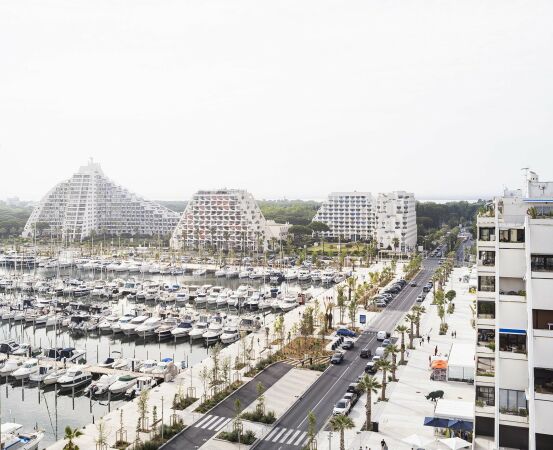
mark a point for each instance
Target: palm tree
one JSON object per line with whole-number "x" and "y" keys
{"x": 71, "y": 434}
{"x": 411, "y": 318}
{"x": 341, "y": 423}
{"x": 402, "y": 329}
{"x": 384, "y": 365}
{"x": 392, "y": 350}
{"x": 418, "y": 310}
{"x": 341, "y": 302}
{"x": 368, "y": 385}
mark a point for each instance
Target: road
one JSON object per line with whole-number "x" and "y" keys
{"x": 290, "y": 431}
{"x": 203, "y": 429}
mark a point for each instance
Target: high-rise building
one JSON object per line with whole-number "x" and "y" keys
{"x": 224, "y": 219}
{"x": 388, "y": 218}
{"x": 91, "y": 203}
{"x": 514, "y": 320}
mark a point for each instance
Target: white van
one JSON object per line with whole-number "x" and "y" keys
{"x": 380, "y": 352}
{"x": 381, "y": 335}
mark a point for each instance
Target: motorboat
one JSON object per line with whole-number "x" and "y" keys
{"x": 122, "y": 384}
{"x": 212, "y": 299}
{"x": 43, "y": 372}
{"x": 232, "y": 272}
{"x": 252, "y": 303}
{"x": 183, "y": 328}
{"x": 249, "y": 324}
{"x": 116, "y": 327}
{"x": 106, "y": 324}
{"x": 230, "y": 334}
{"x": 288, "y": 303}
{"x": 200, "y": 327}
{"x": 101, "y": 385}
{"x": 28, "y": 368}
{"x": 201, "y": 298}
{"x": 121, "y": 364}
{"x": 213, "y": 332}
{"x": 222, "y": 298}
{"x": 108, "y": 362}
{"x": 9, "y": 367}
{"x": 291, "y": 274}
{"x": 147, "y": 366}
{"x": 166, "y": 327}
{"x": 316, "y": 276}
{"x": 220, "y": 273}
{"x": 53, "y": 376}
{"x": 140, "y": 384}
{"x": 68, "y": 354}
{"x": 148, "y": 327}
{"x": 129, "y": 328}
{"x": 327, "y": 276}
{"x": 14, "y": 439}
{"x": 74, "y": 377}
{"x": 304, "y": 275}
{"x": 26, "y": 350}
{"x": 162, "y": 368}
{"x": 199, "y": 272}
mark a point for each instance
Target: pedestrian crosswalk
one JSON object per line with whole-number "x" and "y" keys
{"x": 212, "y": 422}
{"x": 287, "y": 436}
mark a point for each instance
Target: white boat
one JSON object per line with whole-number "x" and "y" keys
{"x": 230, "y": 334}
{"x": 166, "y": 327}
{"x": 222, "y": 298}
{"x": 54, "y": 376}
{"x": 148, "y": 327}
{"x": 220, "y": 273}
{"x": 122, "y": 384}
{"x": 199, "y": 329}
{"x": 316, "y": 276}
{"x": 304, "y": 275}
{"x": 23, "y": 350}
{"x": 43, "y": 372}
{"x": 249, "y": 324}
{"x": 74, "y": 377}
{"x": 162, "y": 368}
{"x": 245, "y": 273}
{"x": 288, "y": 303}
{"x": 121, "y": 364}
{"x": 232, "y": 272}
{"x": 201, "y": 298}
{"x": 328, "y": 276}
{"x": 9, "y": 367}
{"x": 129, "y": 328}
{"x": 140, "y": 384}
{"x": 213, "y": 332}
{"x": 183, "y": 328}
{"x": 14, "y": 439}
{"x": 291, "y": 274}
{"x": 28, "y": 368}
{"x": 199, "y": 272}
{"x": 147, "y": 366}
{"x": 102, "y": 384}
{"x": 116, "y": 327}
{"x": 106, "y": 324}
{"x": 212, "y": 299}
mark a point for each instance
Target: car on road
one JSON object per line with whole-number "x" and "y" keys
{"x": 346, "y": 332}
{"x": 337, "y": 358}
{"x": 348, "y": 345}
{"x": 353, "y": 387}
{"x": 386, "y": 342}
{"x": 420, "y": 298}
{"x": 352, "y": 397}
{"x": 413, "y": 284}
{"x": 370, "y": 367}
{"x": 342, "y": 407}
{"x": 376, "y": 358}
{"x": 381, "y": 335}
{"x": 365, "y": 353}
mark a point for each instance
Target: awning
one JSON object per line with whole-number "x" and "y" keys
{"x": 435, "y": 422}
{"x": 440, "y": 364}
{"x": 511, "y": 331}
{"x": 459, "y": 425}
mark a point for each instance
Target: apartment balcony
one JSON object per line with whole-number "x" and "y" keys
{"x": 483, "y": 410}
{"x": 485, "y": 378}
{"x": 517, "y": 418}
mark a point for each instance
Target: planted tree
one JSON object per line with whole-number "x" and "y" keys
{"x": 392, "y": 350}
{"x": 368, "y": 385}
{"x": 341, "y": 423}
{"x": 385, "y": 366}
{"x": 311, "y": 430}
{"x": 402, "y": 329}
{"x": 341, "y": 302}
{"x": 71, "y": 434}
{"x": 411, "y": 318}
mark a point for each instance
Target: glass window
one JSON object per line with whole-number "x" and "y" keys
{"x": 486, "y": 283}
{"x": 486, "y": 395}
{"x": 512, "y": 342}
{"x": 512, "y": 402}
{"x": 542, "y": 263}
{"x": 486, "y": 234}
{"x": 543, "y": 380}
{"x": 485, "y": 367}
{"x": 486, "y": 258}
{"x": 485, "y": 336}
{"x": 543, "y": 319}
{"x": 486, "y": 310}
{"x": 512, "y": 235}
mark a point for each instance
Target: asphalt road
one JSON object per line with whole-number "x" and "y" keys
{"x": 203, "y": 429}
{"x": 289, "y": 432}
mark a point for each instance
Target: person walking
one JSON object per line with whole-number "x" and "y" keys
{"x": 383, "y": 445}
{"x": 428, "y": 338}
{"x": 436, "y": 351}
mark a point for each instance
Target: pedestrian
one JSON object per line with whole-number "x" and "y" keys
{"x": 429, "y": 360}
{"x": 65, "y": 363}
{"x": 428, "y": 338}
{"x": 383, "y": 445}
{"x": 436, "y": 351}
{"x": 420, "y": 342}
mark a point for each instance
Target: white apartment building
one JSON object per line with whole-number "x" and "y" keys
{"x": 89, "y": 202}
{"x": 514, "y": 320}
{"x": 225, "y": 219}
{"x": 362, "y": 216}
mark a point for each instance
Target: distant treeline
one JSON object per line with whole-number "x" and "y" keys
{"x": 13, "y": 219}
{"x": 431, "y": 216}
{"x": 295, "y": 212}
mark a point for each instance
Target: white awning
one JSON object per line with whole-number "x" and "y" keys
{"x": 454, "y": 409}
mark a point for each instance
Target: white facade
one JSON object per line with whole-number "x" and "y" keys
{"x": 224, "y": 219}
{"x": 89, "y": 202}
{"x": 360, "y": 215}
{"x": 515, "y": 312}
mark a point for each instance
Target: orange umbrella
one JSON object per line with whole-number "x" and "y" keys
{"x": 439, "y": 364}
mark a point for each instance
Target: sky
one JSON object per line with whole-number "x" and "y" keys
{"x": 287, "y": 99}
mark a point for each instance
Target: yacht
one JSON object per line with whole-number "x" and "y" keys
{"x": 101, "y": 385}
{"x": 252, "y": 303}
{"x": 199, "y": 272}
{"x": 116, "y": 327}
{"x": 129, "y": 328}
{"x": 9, "y": 367}
{"x": 212, "y": 299}
{"x": 230, "y": 334}
{"x": 74, "y": 377}
{"x": 183, "y": 328}
{"x": 141, "y": 384}
{"x": 316, "y": 276}
{"x": 28, "y": 368}
{"x": 43, "y": 372}
{"x": 200, "y": 327}
{"x": 53, "y": 376}
{"x": 166, "y": 327}
{"x": 108, "y": 362}
{"x": 148, "y": 327}
{"x": 245, "y": 273}
{"x": 14, "y": 439}
{"x": 106, "y": 324}
{"x": 25, "y": 350}
{"x": 232, "y": 272}
{"x": 327, "y": 276}
{"x": 289, "y": 302}
{"x": 201, "y": 298}
{"x": 220, "y": 273}
{"x": 121, "y": 364}
{"x": 222, "y": 298}
{"x": 291, "y": 274}
{"x": 249, "y": 324}
{"x": 122, "y": 384}
{"x": 147, "y": 366}
{"x": 304, "y": 275}
{"x": 213, "y": 332}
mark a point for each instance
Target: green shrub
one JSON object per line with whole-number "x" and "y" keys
{"x": 247, "y": 438}
{"x": 221, "y": 395}
{"x": 255, "y": 416}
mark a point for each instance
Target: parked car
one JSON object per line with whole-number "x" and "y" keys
{"x": 413, "y": 284}
{"x": 353, "y": 397}
{"x": 353, "y": 388}
{"x": 381, "y": 335}
{"x": 370, "y": 367}
{"x": 337, "y": 358}
{"x": 376, "y": 358}
{"x": 342, "y": 407}
{"x": 386, "y": 342}
{"x": 420, "y": 298}
{"x": 365, "y": 353}
{"x": 348, "y": 345}
{"x": 346, "y": 332}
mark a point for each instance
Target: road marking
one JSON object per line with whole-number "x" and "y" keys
{"x": 293, "y": 437}
{"x": 223, "y": 424}
{"x": 217, "y": 422}
{"x": 210, "y": 421}
{"x": 202, "y": 421}
{"x": 272, "y": 433}
{"x": 301, "y": 438}
{"x": 275, "y": 439}
{"x": 286, "y": 436}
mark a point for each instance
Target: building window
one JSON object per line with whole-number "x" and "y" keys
{"x": 486, "y": 258}
{"x": 486, "y": 234}
{"x": 542, "y": 319}
{"x": 486, "y": 338}
{"x": 485, "y": 395}
{"x": 486, "y": 310}
{"x": 509, "y": 342}
{"x": 542, "y": 263}
{"x": 512, "y": 402}
{"x": 486, "y": 283}
{"x": 512, "y": 235}
{"x": 543, "y": 380}
{"x": 485, "y": 367}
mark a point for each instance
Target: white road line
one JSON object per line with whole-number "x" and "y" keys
{"x": 304, "y": 443}
{"x": 209, "y": 422}
{"x": 203, "y": 420}
{"x": 272, "y": 433}
{"x": 301, "y": 438}
{"x": 275, "y": 439}
{"x": 217, "y": 422}
{"x": 223, "y": 424}
{"x": 285, "y": 436}
{"x": 293, "y": 437}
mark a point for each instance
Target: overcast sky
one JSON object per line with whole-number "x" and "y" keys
{"x": 287, "y": 98}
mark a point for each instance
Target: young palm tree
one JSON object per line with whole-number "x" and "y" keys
{"x": 393, "y": 351}
{"x": 384, "y": 365}
{"x": 368, "y": 385}
{"x": 402, "y": 329}
{"x": 419, "y": 311}
{"x": 71, "y": 434}
{"x": 341, "y": 302}
{"x": 341, "y": 423}
{"x": 411, "y": 318}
